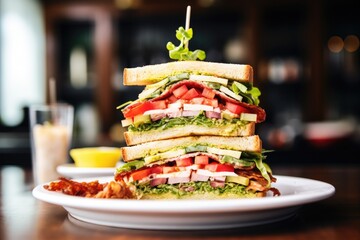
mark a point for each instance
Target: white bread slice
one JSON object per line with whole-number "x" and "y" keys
{"x": 233, "y": 130}
{"x": 251, "y": 143}
{"x": 153, "y": 73}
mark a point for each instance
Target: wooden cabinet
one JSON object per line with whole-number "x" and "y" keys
{"x": 89, "y": 26}
{"x": 118, "y": 36}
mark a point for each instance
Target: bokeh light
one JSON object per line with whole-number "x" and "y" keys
{"x": 351, "y": 43}
{"x": 335, "y": 44}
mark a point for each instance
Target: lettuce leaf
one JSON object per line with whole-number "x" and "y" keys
{"x": 129, "y": 166}
{"x": 181, "y": 52}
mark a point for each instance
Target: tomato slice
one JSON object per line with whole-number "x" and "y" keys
{"x": 201, "y": 160}
{"x": 192, "y": 93}
{"x": 216, "y": 167}
{"x": 211, "y": 167}
{"x": 184, "y": 162}
{"x": 208, "y": 93}
{"x": 137, "y": 109}
{"x": 179, "y": 92}
{"x": 170, "y": 169}
{"x": 172, "y": 99}
{"x": 156, "y": 169}
{"x": 224, "y": 168}
{"x": 143, "y": 107}
{"x": 161, "y": 104}
{"x": 211, "y": 102}
{"x": 140, "y": 174}
{"x": 198, "y": 100}
{"x": 235, "y": 108}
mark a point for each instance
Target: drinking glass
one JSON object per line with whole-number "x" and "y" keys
{"x": 51, "y": 129}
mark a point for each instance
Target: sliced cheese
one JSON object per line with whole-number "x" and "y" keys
{"x": 174, "y": 174}
{"x": 214, "y": 174}
{"x": 197, "y": 107}
{"x": 126, "y": 122}
{"x": 155, "y": 111}
{"x": 230, "y": 93}
{"x": 224, "y": 152}
{"x": 251, "y": 117}
{"x": 204, "y": 78}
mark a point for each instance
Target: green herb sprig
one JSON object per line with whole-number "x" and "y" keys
{"x": 181, "y": 52}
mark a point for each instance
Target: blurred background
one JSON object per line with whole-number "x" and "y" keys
{"x": 305, "y": 56}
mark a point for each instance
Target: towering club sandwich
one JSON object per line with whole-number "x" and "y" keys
{"x": 184, "y": 98}
{"x": 191, "y": 130}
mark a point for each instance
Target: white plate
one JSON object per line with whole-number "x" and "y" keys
{"x": 71, "y": 171}
{"x": 192, "y": 214}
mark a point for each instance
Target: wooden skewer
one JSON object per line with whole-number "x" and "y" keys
{"x": 52, "y": 97}
{"x": 187, "y": 23}
{"x": 52, "y": 91}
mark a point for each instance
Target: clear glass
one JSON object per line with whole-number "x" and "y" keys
{"x": 51, "y": 128}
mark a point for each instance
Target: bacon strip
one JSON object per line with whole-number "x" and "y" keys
{"x": 93, "y": 189}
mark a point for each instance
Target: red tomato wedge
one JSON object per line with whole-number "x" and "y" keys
{"x": 172, "y": 99}
{"x": 211, "y": 102}
{"x": 211, "y": 167}
{"x": 138, "y": 175}
{"x": 235, "y": 108}
{"x": 216, "y": 167}
{"x": 198, "y": 100}
{"x": 179, "y": 92}
{"x": 160, "y": 104}
{"x": 205, "y": 101}
{"x": 137, "y": 109}
{"x": 192, "y": 93}
{"x": 184, "y": 162}
{"x": 201, "y": 160}
{"x": 224, "y": 168}
{"x": 170, "y": 169}
{"x": 208, "y": 93}
{"x": 156, "y": 169}
{"x": 140, "y": 108}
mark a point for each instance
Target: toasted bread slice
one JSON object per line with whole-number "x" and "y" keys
{"x": 231, "y": 130}
{"x": 153, "y": 73}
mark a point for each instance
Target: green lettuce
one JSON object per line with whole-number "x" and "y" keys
{"x": 200, "y": 120}
{"x": 184, "y": 189}
{"x": 130, "y": 166}
{"x": 249, "y": 93}
{"x": 182, "y": 52}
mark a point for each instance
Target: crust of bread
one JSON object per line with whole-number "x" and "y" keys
{"x": 202, "y": 196}
{"x": 250, "y": 143}
{"x": 231, "y": 130}
{"x": 153, "y": 73}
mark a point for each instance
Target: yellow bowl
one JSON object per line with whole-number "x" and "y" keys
{"x": 96, "y": 157}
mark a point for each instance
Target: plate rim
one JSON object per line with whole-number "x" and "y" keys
{"x": 318, "y": 191}
{"x": 69, "y": 170}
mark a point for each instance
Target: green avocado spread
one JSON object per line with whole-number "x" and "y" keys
{"x": 190, "y": 188}
{"x": 199, "y": 120}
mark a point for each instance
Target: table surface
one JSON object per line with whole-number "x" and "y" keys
{"x": 338, "y": 217}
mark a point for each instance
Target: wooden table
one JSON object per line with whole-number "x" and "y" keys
{"x": 24, "y": 217}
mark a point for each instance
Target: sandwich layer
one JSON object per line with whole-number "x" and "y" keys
{"x": 153, "y": 73}
{"x": 250, "y": 143}
{"x": 230, "y": 130}
{"x": 201, "y": 191}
